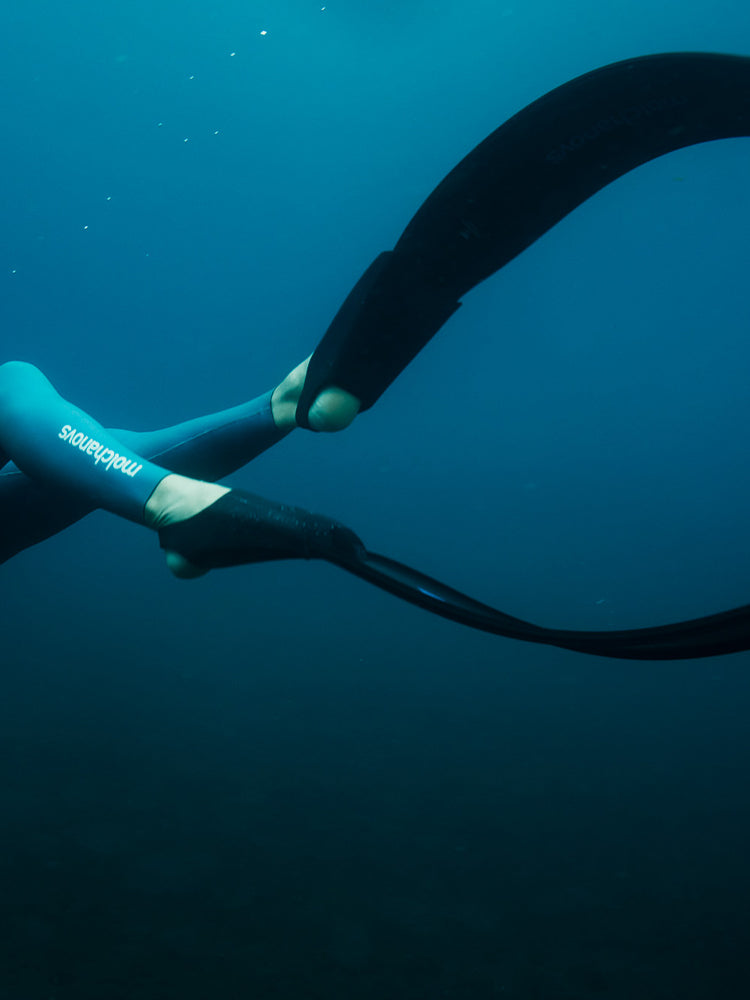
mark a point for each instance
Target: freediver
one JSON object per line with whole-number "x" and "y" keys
{"x": 514, "y": 186}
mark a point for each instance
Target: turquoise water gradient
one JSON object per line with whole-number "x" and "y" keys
{"x": 277, "y": 782}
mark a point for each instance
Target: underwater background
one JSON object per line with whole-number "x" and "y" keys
{"x": 276, "y": 781}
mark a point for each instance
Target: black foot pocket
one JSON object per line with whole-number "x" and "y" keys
{"x": 244, "y": 528}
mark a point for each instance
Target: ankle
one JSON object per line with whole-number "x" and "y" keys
{"x": 285, "y": 397}
{"x": 177, "y": 498}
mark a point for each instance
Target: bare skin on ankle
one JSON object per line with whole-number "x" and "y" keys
{"x": 177, "y": 498}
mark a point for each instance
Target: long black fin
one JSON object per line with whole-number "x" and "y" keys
{"x": 523, "y": 179}
{"x": 241, "y": 528}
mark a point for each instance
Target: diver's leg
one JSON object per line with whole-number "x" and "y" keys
{"x": 211, "y": 446}
{"x": 66, "y": 452}
{"x": 207, "y": 448}
{"x": 63, "y": 449}
{"x": 218, "y": 444}
{"x": 68, "y": 465}
{"x": 53, "y": 495}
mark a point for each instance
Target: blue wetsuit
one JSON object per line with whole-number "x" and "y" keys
{"x": 60, "y": 464}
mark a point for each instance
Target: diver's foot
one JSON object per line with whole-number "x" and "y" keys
{"x": 333, "y": 410}
{"x": 176, "y": 499}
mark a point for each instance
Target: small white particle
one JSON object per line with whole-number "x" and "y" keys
{"x": 159, "y": 124}
{"x": 109, "y": 197}
{"x": 191, "y": 77}
{"x": 186, "y": 140}
{"x": 232, "y": 53}
{"x": 264, "y": 32}
{"x": 216, "y": 132}
{"x": 85, "y": 227}
{"x": 13, "y": 271}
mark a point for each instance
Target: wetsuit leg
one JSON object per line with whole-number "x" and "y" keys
{"x": 213, "y": 446}
{"x": 58, "y": 445}
{"x": 32, "y": 509}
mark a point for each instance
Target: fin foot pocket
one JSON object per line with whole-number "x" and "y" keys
{"x": 242, "y": 528}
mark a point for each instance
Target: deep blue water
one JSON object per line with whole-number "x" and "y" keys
{"x": 276, "y": 781}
